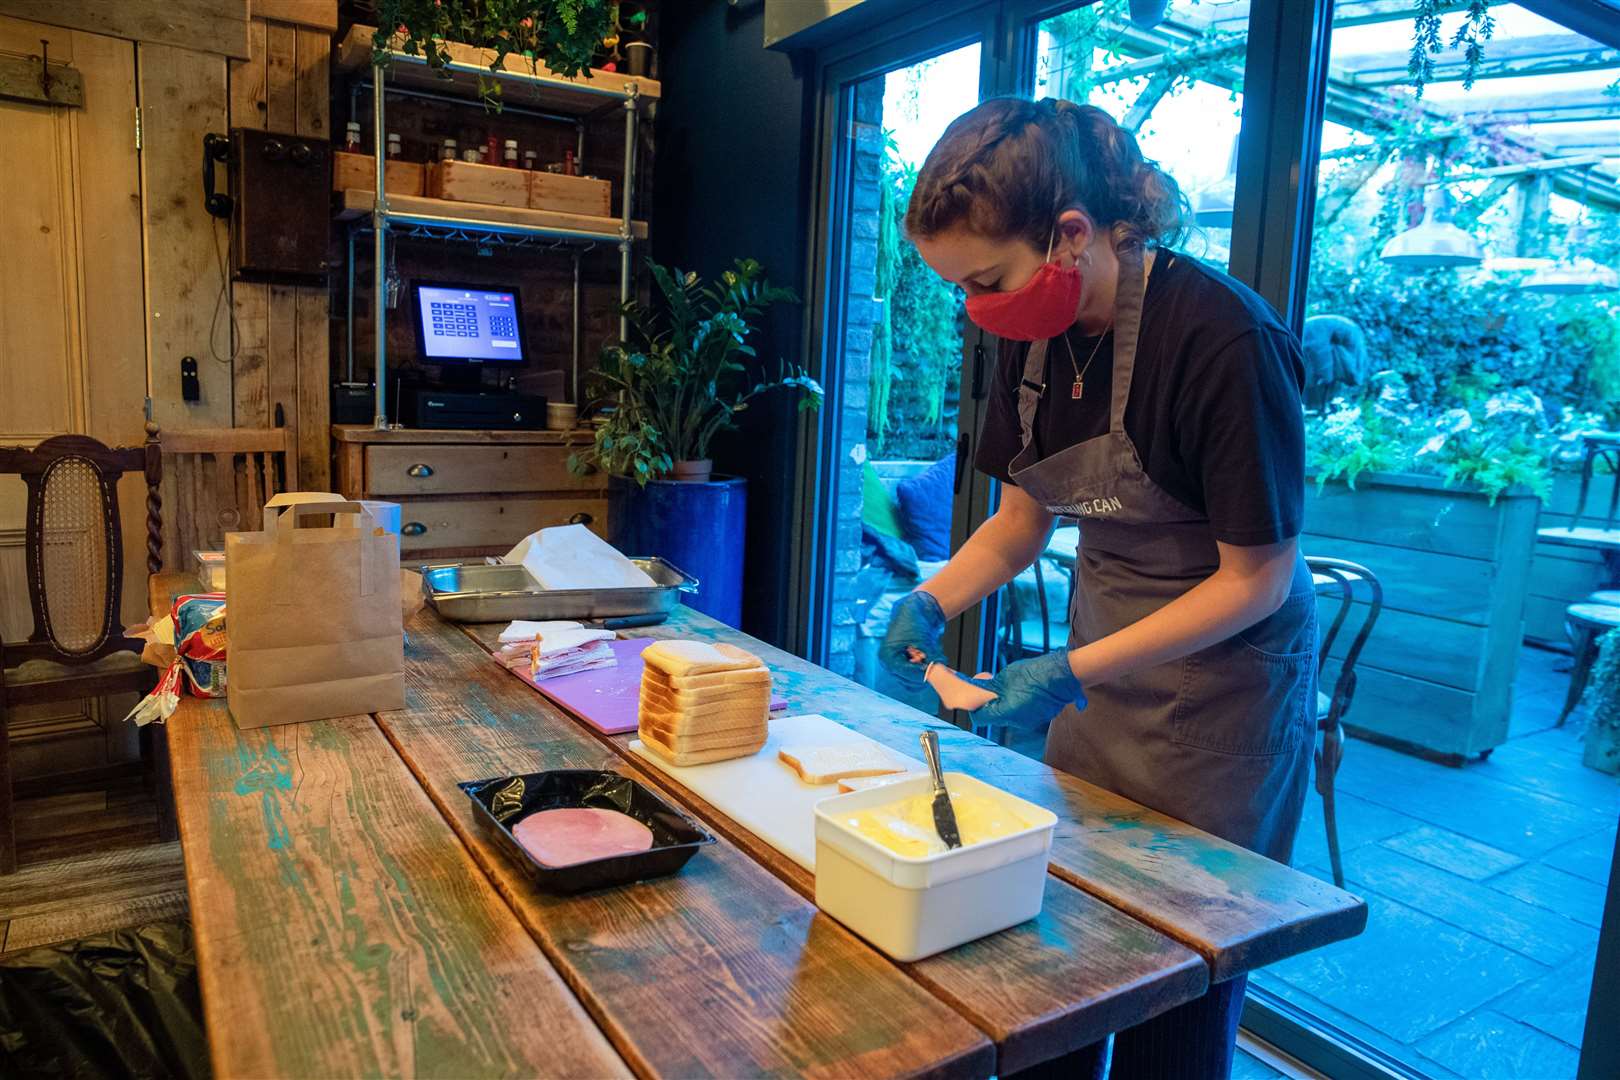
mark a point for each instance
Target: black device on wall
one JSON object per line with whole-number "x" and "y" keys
{"x": 279, "y": 202}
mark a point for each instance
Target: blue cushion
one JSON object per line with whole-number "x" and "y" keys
{"x": 925, "y": 509}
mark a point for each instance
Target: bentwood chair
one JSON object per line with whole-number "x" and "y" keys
{"x": 74, "y": 557}
{"x": 1360, "y": 598}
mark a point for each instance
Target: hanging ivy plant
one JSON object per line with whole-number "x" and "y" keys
{"x": 1475, "y": 30}
{"x": 562, "y": 35}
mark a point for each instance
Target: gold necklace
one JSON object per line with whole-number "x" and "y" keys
{"x": 1079, "y": 389}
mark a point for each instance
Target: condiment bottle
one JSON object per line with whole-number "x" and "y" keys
{"x": 492, "y": 150}
{"x": 568, "y": 162}
{"x": 351, "y": 137}
{"x": 393, "y": 146}
{"x": 511, "y": 155}
{"x": 448, "y": 151}
{"x": 470, "y": 154}
{"x": 528, "y": 159}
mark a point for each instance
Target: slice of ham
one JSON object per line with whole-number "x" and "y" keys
{"x": 580, "y": 834}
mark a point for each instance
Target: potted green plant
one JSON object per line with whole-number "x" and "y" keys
{"x": 683, "y": 374}
{"x": 561, "y": 35}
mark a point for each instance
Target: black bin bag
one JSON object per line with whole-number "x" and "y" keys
{"x": 114, "y": 1005}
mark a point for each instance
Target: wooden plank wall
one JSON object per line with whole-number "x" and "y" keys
{"x": 212, "y": 26}
{"x": 283, "y": 345}
{"x": 182, "y": 98}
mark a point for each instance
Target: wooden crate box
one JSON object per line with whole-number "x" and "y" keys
{"x": 467, "y": 181}
{"x": 358, "y": 171}
{"x": 570, "y": 194}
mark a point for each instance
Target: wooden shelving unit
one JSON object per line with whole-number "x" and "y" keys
{"x": 467, "y": 217}
{"x": 582, "y": 96}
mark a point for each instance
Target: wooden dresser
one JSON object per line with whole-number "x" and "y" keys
{"x": 467, "y": 493}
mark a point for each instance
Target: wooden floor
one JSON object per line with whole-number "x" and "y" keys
{"x": 90, "y": 862}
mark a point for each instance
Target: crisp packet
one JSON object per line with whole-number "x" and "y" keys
{"x": 200, "y": 640}
{"x": 200, "y": 646}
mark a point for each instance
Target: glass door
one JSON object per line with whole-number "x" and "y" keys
{"x": 896, "y": 436}
{"x": 1460, "y": 321}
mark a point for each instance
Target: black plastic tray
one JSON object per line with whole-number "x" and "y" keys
{"x": 501, "y": 802}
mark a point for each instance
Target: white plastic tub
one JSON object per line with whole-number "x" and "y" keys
{"x": 915, "y": 907}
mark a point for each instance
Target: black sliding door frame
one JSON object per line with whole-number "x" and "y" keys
{"x": 1285, "y": 76}
{"x": 943, "y": 27}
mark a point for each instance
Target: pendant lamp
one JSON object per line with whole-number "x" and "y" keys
{"x": 1434, "y": 242}
{"x": 1213, "y": 206}
{"x": 1575, "y": 274}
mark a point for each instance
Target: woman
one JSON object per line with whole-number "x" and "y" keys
{"x": 1158, "y": 402}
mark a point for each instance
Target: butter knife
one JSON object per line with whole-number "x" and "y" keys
{"x": 944, "y": 815}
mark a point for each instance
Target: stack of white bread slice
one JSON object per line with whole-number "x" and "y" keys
{"x": 702, "y": 703}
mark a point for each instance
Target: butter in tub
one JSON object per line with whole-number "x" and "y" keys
{"x": 906, "y": 826}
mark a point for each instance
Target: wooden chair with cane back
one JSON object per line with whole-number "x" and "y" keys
{"x": 74, "y": 558}
{"x": 217, "y": 481}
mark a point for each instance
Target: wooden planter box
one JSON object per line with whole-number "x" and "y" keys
{"x": 1438, "y": 671}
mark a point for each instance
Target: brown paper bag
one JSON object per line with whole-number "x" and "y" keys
{"x": 314, "y": 617}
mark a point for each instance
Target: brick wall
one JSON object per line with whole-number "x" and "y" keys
{"x": 860, "y": 313}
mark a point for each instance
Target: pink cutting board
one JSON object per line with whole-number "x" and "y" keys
{"x": 606, "y": 698}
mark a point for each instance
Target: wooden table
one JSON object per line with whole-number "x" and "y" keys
{"x": 350, "y": 918}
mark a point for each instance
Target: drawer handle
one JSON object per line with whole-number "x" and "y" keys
{"x": 419, "y": 470}
{"x": 412, "y": 528}
{"x": 581, "y": 518}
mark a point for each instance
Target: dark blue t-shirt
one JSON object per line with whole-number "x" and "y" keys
{"x": 1214, "y": 408}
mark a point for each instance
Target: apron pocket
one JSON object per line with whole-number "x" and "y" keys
{"x": 1240, "y": 697}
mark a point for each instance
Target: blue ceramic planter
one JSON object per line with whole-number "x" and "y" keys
{"x": 699, "y": 527}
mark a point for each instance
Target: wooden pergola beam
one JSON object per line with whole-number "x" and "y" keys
{"x": 1548, "y": 54}
{"x": 1364, "y": 12}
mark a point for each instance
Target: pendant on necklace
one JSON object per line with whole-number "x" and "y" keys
{"x": 1077, "y": 390}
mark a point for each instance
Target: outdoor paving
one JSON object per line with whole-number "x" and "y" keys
{"x": 1485, "y": 886}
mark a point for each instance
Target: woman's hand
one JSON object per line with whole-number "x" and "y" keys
{"x": 912, "y": 641}
{"x": 1029, "y": 693}
{"x": 957, "y": 691}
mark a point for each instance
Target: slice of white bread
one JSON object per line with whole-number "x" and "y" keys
{"x": 866, "y": 783}
{"x": 682, "y": 758}
{"x": 717, "y": 680}
{"x": 654, "y": 694}
{"x": 668, "y": 725}
{"x": 817, "y": 765}
{"x": 697, "y": 658}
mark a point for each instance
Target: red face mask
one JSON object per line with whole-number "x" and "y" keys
{"x": 1044, "y": 308}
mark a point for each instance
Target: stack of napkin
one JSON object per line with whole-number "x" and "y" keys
{"x": 545, "y": 650}
{"x": 702, "y": 703}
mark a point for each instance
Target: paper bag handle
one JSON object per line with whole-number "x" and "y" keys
{"x": 295, "y": 511}
{"x": 292, "y": 513}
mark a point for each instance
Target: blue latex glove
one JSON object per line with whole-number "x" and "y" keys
{"x": 917, "y": 622}
{"x": 1031, "y": 692}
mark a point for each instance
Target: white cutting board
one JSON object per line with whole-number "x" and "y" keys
{"x": 763, "y": 795}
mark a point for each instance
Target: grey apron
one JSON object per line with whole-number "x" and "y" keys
{"x": 1221, "y": 739}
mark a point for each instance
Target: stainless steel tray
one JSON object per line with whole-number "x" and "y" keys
{"x": 478, "y": 592}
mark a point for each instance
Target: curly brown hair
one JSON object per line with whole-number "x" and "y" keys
{"x": 1008, "y": 167}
